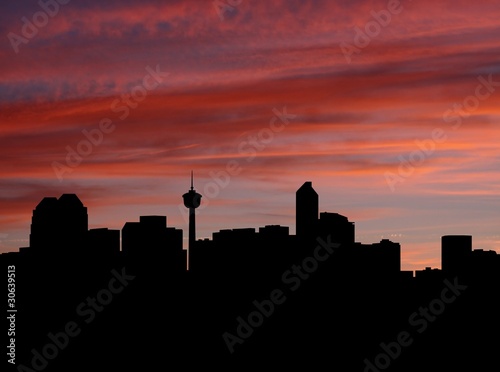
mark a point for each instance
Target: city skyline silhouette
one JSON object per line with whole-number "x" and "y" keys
{"x": 248, "y": 297}
{"x": 310, "y": 223}
{"x": 244, "y": 185}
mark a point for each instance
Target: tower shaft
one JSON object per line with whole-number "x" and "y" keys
{"x": 192, "y": 228}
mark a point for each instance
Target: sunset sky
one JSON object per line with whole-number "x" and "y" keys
{"x": 280, "y": 92}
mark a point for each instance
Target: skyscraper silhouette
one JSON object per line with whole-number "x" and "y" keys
{"x": 306, "y": 213}
{"x": 59, "y": 225}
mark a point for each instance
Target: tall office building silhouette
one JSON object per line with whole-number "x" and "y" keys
{"x": 59, "y": 225}
{"x": 192, "y": 200}
{"x": 306, "y": 213}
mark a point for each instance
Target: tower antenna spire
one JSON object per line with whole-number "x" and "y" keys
{"x": 192, "y": 188}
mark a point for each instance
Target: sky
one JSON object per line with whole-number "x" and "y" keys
{"x": 391, "y": 109}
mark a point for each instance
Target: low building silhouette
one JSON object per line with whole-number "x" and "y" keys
{"x": 103, "y": 242}
{"x": 150, "y": 240}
